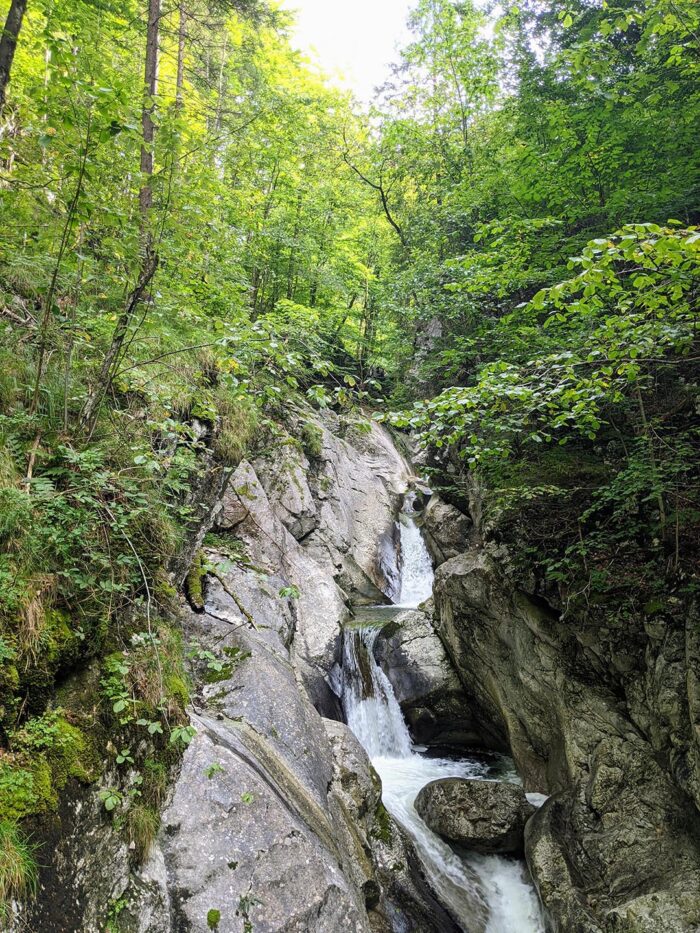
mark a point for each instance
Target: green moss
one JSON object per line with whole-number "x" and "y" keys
{"x": 9, "y": 683}
{"x": 217, "y": 675}
{"x": 176, "y": 688}
{"x": 382, "y": 824}
{"x": 46, "y": 753}
{"x": 194, "y": 582}
{"x": 26, "y": 789}
{"x": 312, "y": 440}
{"x": 61, "y": 642}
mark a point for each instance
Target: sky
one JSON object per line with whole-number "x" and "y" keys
{"x": 353, "y": 38}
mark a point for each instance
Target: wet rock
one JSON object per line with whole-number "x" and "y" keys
{"x": 486, "y": 816}
{"x": 447, "y": 530}
{"x": 425, "y": 682}
{"x": 617, "y": 847}
{"x": 383, "y": 862}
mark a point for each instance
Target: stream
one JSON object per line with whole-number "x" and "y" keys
{"x": 485, "y": 893}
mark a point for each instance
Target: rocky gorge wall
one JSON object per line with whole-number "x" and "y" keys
{"x": 274, "y": 819}
{"x": 606, "y": 722}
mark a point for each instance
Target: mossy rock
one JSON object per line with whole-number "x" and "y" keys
{"x": 194, "y": 582}
{"x": 312, "y": 440}
{"x": 26, "y": 790}
{"x": 59, "y": 650}
{"x": 47, "y": 753}
{"x": 177, "y": 689}
{"x": 382, "y": 824}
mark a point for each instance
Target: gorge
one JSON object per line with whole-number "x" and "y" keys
{"x": 276, "y": 817}
{"x": 349, "y": 467}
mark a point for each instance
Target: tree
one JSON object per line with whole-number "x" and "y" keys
{"x": 8, "y": 44}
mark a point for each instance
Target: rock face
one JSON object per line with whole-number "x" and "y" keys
{"x": 276, "y": 819}
{"x": 617, "y": 847}
{"x": 426, "y": 685}
{"x": 486, "y": 816}
{"x": 339, "y": 495}
{"x": 274, "y": 822}
{"x": 447, "y": 531}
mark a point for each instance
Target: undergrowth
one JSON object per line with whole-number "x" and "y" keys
{"x": 89, "y": 526}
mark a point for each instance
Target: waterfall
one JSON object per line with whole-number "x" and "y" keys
{"x": 372, "y": 710}
{"x": 416, "y": 565}
{"x": 486, "y": 894}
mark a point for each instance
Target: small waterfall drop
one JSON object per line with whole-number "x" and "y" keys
{"x": 486, "y": 894}
{"x": 416, "y": 564}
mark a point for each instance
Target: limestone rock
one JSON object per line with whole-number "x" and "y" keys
{"x": 426, "y": 685}
{"x": 447, "y": 530}
{"x": 618, "y": 845}
{"x": 356, "y": 483}
{"x": 486, "y": 816}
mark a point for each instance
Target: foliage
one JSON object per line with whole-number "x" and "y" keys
{"x": 630, "y": 309}
{"x": 18, "y": 870}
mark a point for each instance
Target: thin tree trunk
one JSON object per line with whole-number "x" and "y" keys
{"x": 150, "y": 259}
{"x": 291, "y": 267}
{"x": 148, "y": 126}
{"x": 222, "y": 85}
{"x": 181, "y": 43}
{"x": 654, "y": 465}
{"x": 8, "y": 44}
{"x": 106, "y": 374}
{"x": 48, "y": 304}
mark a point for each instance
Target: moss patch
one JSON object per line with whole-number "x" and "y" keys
{"x": 312, "y": 440}
{"x": 382, "y": 824}
{"x": 194, "y": 582}
{"x": 45, "y": 755}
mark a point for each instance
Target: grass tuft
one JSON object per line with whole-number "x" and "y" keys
{"x": 142, "y": 824}
{"x": 238, "y": 427}
{"x": 18, "y": 868}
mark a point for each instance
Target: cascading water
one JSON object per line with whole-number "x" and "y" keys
{"x": 486, "y": 894}
{"x": 416, "y": 565}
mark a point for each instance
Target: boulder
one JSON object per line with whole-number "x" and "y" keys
{"x": 485, "y": 816}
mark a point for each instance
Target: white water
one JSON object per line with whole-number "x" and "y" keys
{"x": 485, "y": 893}
{"x": 416, "y": 565}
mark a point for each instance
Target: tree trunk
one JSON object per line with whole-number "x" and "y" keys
{"x": 149, "y": 261}
{"x": 111, "y": 360}
{"x": 8, "y": 44}
{"x": 148, "y": 126}
{"x": 291, "y": 266}
{"x": 182, "y": 38}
